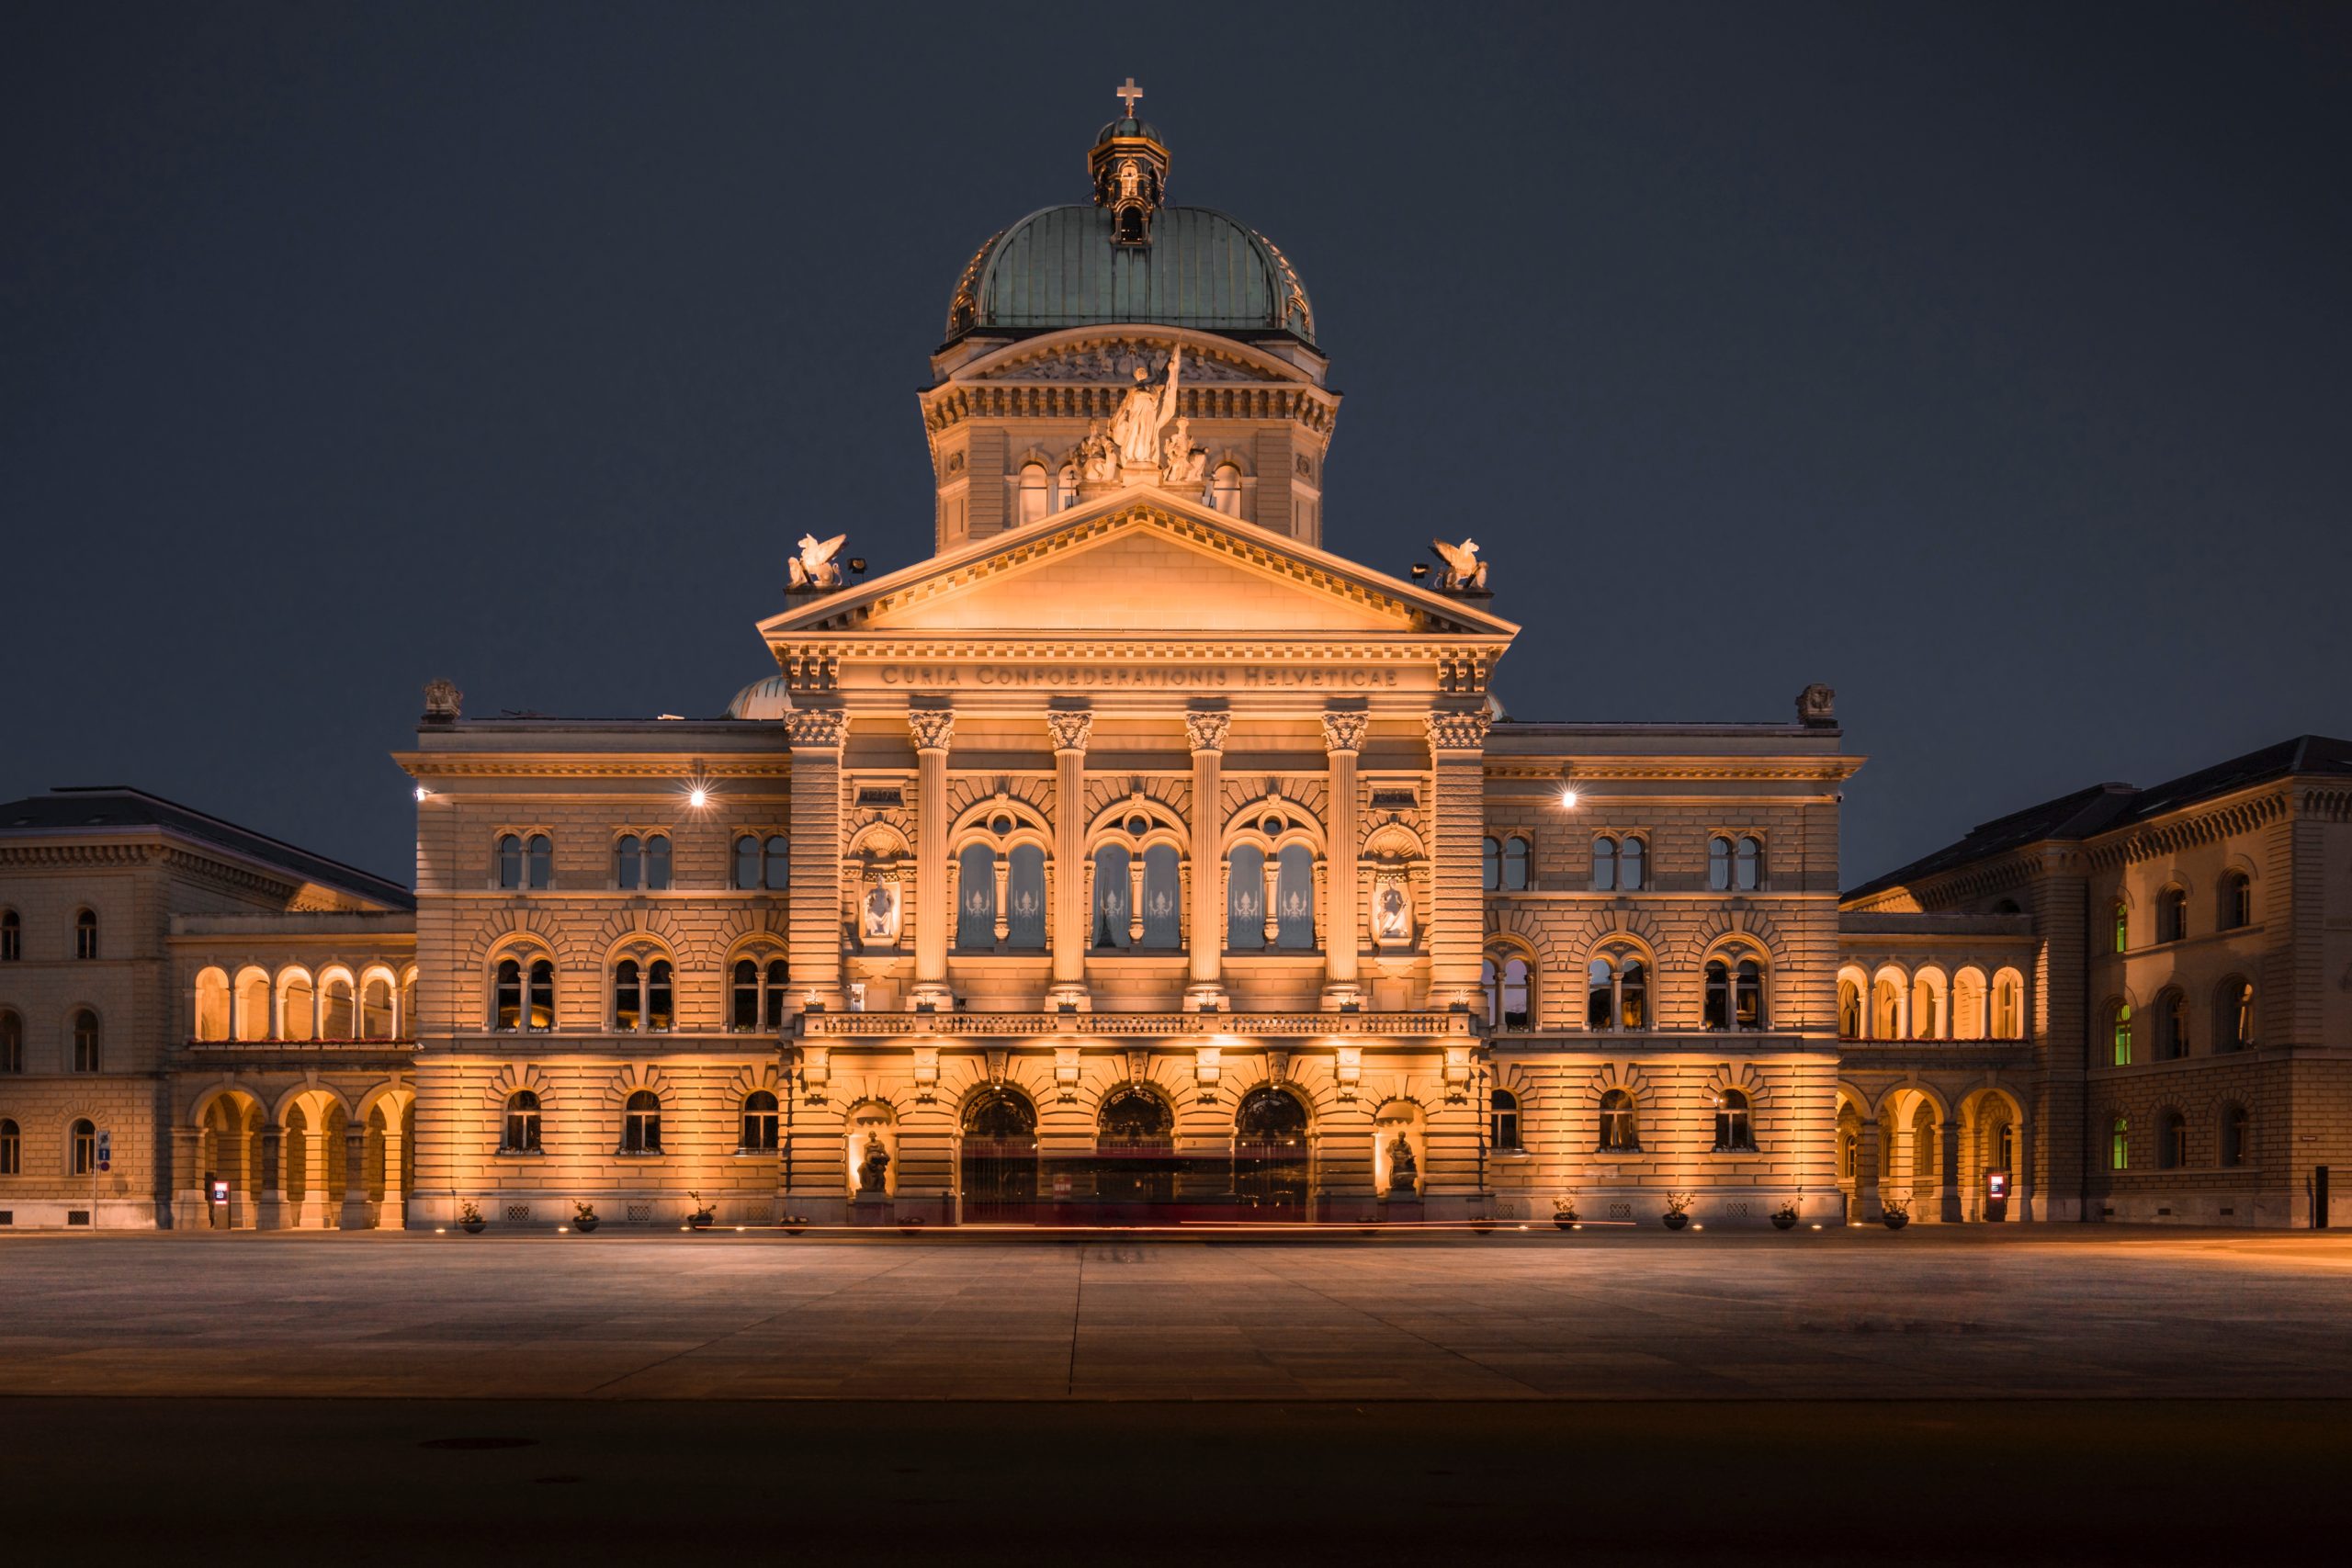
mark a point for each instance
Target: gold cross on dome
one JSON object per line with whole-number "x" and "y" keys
{"x": 1127, "y": 94}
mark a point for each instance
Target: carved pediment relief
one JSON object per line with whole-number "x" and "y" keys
{"x": 1117, "y": 363}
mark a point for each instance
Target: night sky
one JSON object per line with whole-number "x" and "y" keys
{"x": 1988, "y": 363}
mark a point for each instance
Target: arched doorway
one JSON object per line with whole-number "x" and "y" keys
{"x": 1000, "y": 1161}
{"x": 1271, "y": 1156}
{"x": 1135, "y": 1150}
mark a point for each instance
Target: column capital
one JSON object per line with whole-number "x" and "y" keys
{"x": 1070, "y": 728}
{"x": 1452, "y": 731}
{"x": 1205, "y": 729}
{"x": 932, "y": 727}
{"x": 816, "y": 727}
{"x": 1344, "y": 731}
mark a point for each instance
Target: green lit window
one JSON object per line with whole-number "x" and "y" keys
{"x": 2119, "y": 1144}
{"x": 2123, "y": 1035}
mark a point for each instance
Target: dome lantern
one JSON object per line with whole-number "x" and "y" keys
{"x": 1129, "y": 164}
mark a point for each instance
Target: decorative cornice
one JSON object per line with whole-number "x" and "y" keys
{"x": 933, "y": 727}
{"x": 2149, "y": 840}
{"x": 1457, "y": 731}
{"x": 811, "y": 728}
{"x": 1205, "y": 729}
{"x": 1071, "y": 729}
{"x": 1017, "y": 1025}
{"x": 670, "y": 766}
{"x": 1345, "y": 731}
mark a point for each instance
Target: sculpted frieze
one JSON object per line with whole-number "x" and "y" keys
{"x": 1116, "y": 363}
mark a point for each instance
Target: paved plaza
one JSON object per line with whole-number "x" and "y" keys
{"x": 1537, "y": 1316}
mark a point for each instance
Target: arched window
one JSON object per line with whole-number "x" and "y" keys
{"x": 2172, "y": 915}
{"x": 1112, "y": 898}
{"x": 1734, "y": 994}
{"x": 253, "y": 1006}
{"x": 1619, "y": 1133}
{"x": 1294, "y": 898}
{"x": 642, "y": 1123}
{"x": 336, "y": 1022}
{"x": 775, "y": 871}
{"x": 1604, "y": 865}
{"x": 2236, "y": 902}
{"x": 1490, "y": 865}
{"x": 1747, "y": 872}
{"x": 2172, "y": 1141}
{"x": 1886, "y": 1009}
{"x": 298, "y": 1006}
{"x": 1066, "y": 488}
{"x": 1037, "y": 494}
{"x": 1719, "y": 864}
{"x": 747, "y": 862}
{"x": 628, "y": 860}
{"x": 1849, "y": 1155}
{"x": 12, "y": 1041}
{"x": 1849, "y": 1010}
{"x": 1519, "y": 855}
{"x": 1225, "y": 489}
{"x": 2120, "y": 917}
{"x": 510, "y": 861}
{"x": 211, "y": 1005}
{"x": 2172, "y": 1026}
{"x": 1617, "y": 990}
{"x": 1244, "y": 898}
{"x": 1503, "y": 1120}
{"x": 86, "y": 1041}
{"x": 1163, "y": 898}
{"x": 1025, "y": 899}
{"x": 521, "y": 996}
{"x": 83, "y": 1140}
{"x": 85, "y": 934}
{"x": 779, "y": 990}
{"x": 976, "y": 898}
{"x": 657, "y": 860}
{"x": 408, "y": 1006}
{"x": 376, "y": 1008}
{"x": 2009, "y": 1008}
{"x": 1735, "y": 1130}
{"x": 627, "y": 1004}
{"x": 2234, "y": 1026}
{"x": 12, "y": 1148}
{"x": 660, "y": 1012}
{"x": 12, "y": 937}
{"x": 1506, "y": 978}
{"x": 744, "y": 997}
{"x": 2119, "y": 1144}
{"x": 760, "y": 1122}
{"x": 522, "y": 1135}
{"x": 1630, "y": 852}
{"x": 2118, "y": 1023}
{"x": 2237, "y": 1135}
{"x": 538, "y": 861}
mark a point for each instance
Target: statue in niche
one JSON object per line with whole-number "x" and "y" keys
{"x": 1402, "y": 1168}
{"x": 1145, "y": 412}
{"x": 1394, "y": 922}
{"x": 882, "y": 912}
{"x": 1183, "y": 463}
{"x": 872, "y": 1168}
{"x": 1463, "y": 570}
{"x": 1098, "y": 455}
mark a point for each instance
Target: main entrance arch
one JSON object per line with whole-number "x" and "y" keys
{"x": 1000, "y": 1158}
{"x": 1272, "y": 1158}
{"x": 1134, "y": 1156}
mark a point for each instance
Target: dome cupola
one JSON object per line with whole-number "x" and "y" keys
{"x": 1129, "y": 164}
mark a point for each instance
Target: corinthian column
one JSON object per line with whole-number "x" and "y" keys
{"x": 1071, "y": 729}
{"x": 1206, "y": 938}
{"x": 814, "y": 902}
{"x": 1457, "y": 811}
{"x": 1343, "y": 733}
{"x": 933, "y": 728}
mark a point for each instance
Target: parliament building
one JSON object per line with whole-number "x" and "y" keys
{"x": 1139, "y": 857}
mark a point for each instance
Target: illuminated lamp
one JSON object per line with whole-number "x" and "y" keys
{"x": 697, "y": 798}
{"x": 423, "y": 794}
{"x": 1567, "y": 791}
{"x": 1420, "y": 569}
{"x": 857, "y": 565}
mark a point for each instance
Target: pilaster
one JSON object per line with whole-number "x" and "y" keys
{"x": 814, "y": 901}
{"x": 1343, "y": 734}
{"x": 1071, "y": 729}
{"x": 1457, "y": 800}
{"x": 1206, "y": 729}
{"x": 934, "y": 729}
{"x": 354, "y": 1215}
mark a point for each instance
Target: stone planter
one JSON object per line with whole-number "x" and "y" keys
{"x": 1785, "y": 1221}
{"x": 1676, "y": 1219}
{"x": 474, "y": 1226}
{"x": 1566, "y": 1221}
{"x": 1896, "y": 1219}
{"x": 586, "y": 1223}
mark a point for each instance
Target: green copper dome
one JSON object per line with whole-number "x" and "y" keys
{"x": 1062, "y": 267}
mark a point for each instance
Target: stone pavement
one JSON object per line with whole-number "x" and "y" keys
{"x": 1964, "y": 1314}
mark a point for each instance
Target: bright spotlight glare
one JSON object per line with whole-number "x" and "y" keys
{"x": 1568, "y": 799}
{"x": 422, "y": 792}
{"x": 697, "y": 798}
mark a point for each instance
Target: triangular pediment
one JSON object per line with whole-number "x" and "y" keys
{"x": 1139, "y": 564}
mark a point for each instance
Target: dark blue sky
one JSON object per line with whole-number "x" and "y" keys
{"x": 1986, "y": 362}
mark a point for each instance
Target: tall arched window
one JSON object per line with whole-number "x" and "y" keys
{"x": 2172, "y": 915}
{"x": 2009, "y": 1008}
{"x": 12, "y": 1149}
{"x": 657, "y": 861}
{"x": 1490, "y": 864}
{"x": 1927, "y": 1006}
{"x": 336, "y": 1022}
{"x": 642, "y": 1123}
{"x": 408, "y": 1005}
{"x": 1630, "y": 852}
{"x": 12, "y": 1042}
{"x": 85, "y": 934}
{"x": 1112, "y": 900}
{"x": 12, "y": 937}
{"x": 538, "y": 861}
{"x": 1518, "y": 856}
{"x": 756, "y": 994}
{"x": 1502, "y": 1121}
{"x": 1619, "y": 1133}
{"x": 976, "y": 898}
{"x": 747, "y": 862}
{"x": 628, "y": 1006}
{"x": 83, "y": 1140}
{"x": 775, "y": 871}
{"x": 2120, "y": 921}
{"x": 1886, "y": 1009}
{"x": 628, "y": 860}
{"x": 1294, "y": 898}
{"x": 1617, "y": 990}
{"x": 2236, "y": 1021}
{"x": 1244, "y": 898}
{"x": 1735, "y": 1130}
{"x": 1507, "y": 979}
{"x": 2172, "y": 1141}
{"x": 1719, "y": 864}
{"x": 2236, "y": 902}
{"x": 2119, "y": 1024}
{"x": 510, "y": 861}
{"x": 1604, "y": 865}
{"x": 1734, "y": 994}
{"x": 376, "y": 1008}
{"x": 1225, "y": 489}
{"x": 522, "y": 1134}
{"x": 1036, "y": 493}
{"x": 1849, "y": 1010}
{"x": 253, "y": 1006}
{"x": 2119, "y": 1144}
{"x": 1025, "y": 899}
{"x": 1748, "y": 870}
{"x": 211, "y": 1005}
{"x": 522, "y": 995}
{"x": 2172, "y": 1026}
{"x": 2236, "y": 1135}
{"x": 86, "y": 1041}
{"x": 759, "y": 1123}
{"x": 298, "y": 1006}
{"x": 1163, "y": 898}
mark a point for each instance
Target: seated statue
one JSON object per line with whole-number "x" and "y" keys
{"x": 872, "y": 1168}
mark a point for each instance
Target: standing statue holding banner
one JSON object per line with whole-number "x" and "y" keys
{"x": 1146, "y": 412}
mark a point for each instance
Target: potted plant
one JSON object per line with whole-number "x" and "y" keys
{"x": 1483, "y": 1222}
{"x": 794, "y": 1223}
{"x": 470, "y": 1218}
{"x": 1896, "y": 1212}
{"x": 1677, "y": 1209}
{"x": 1563, "y": 1212}
{"x": 701, "y": 1216}
{"x": 583, "y": 1216}
{"x": 1784, "y": 1218}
